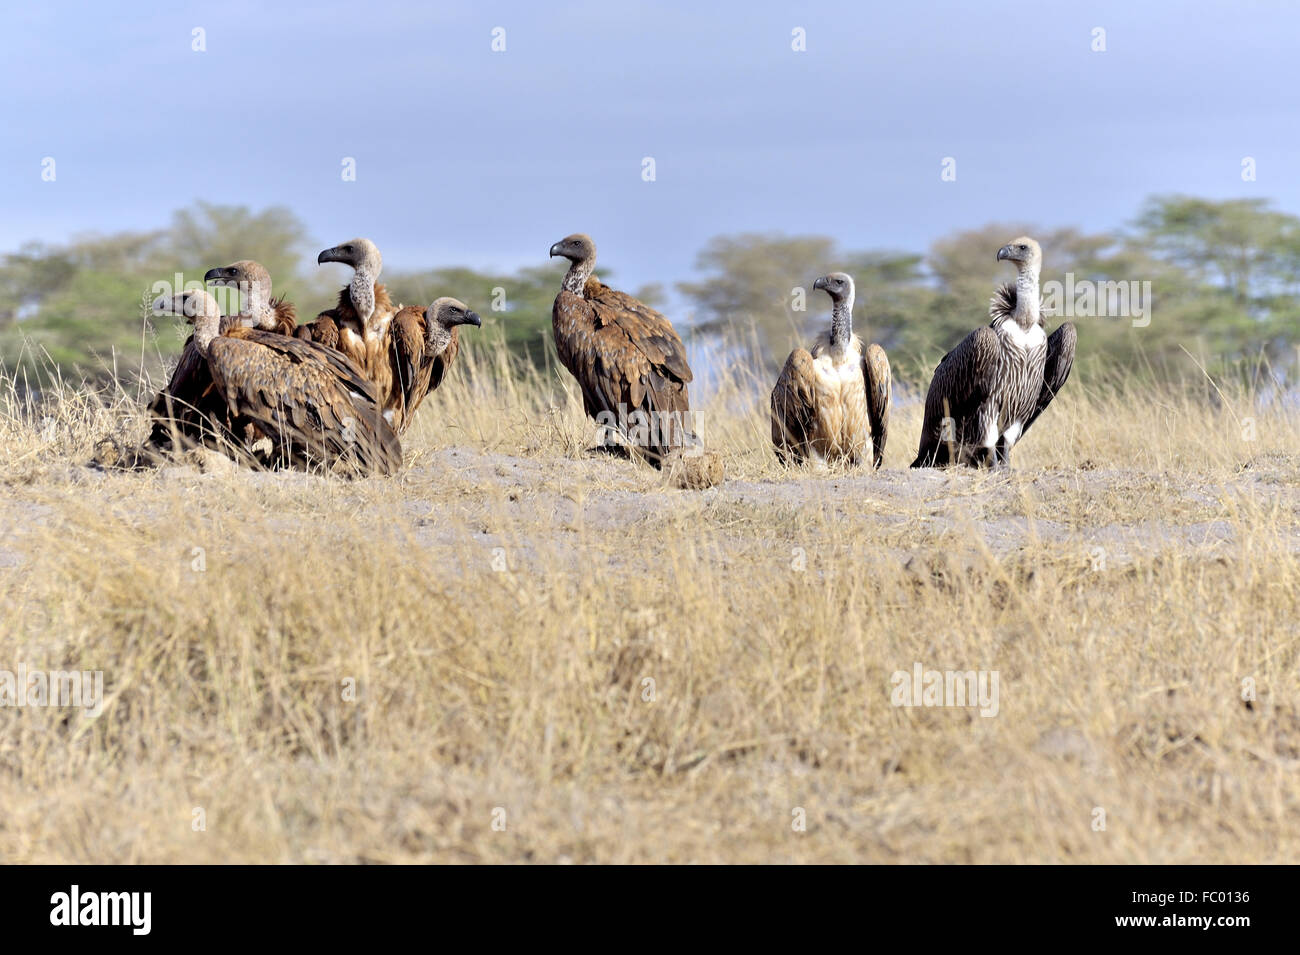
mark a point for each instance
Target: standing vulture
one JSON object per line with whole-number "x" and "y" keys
{"x": 988, "y": 390}
{"x": 314, "y": 405}
{"x": 425, "y": 342}
{"x": 253, "y": 282}
{"x": 628, "y": 360}
{"x": 830, "y": 400}
{"x": 397, "y": 348}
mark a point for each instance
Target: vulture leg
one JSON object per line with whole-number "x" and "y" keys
{"x": 1060, "y": 359}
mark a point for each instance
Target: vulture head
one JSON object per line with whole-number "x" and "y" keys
{"x": 577, "y": 248}
{"x": 361, "y": 254}
{"x": 243, "y": 274}
{"x": 837, "y": 285}
{"x": 1023, "y": 251}
{"x": 450, "y": 312}
{"x": 200, "y": 310}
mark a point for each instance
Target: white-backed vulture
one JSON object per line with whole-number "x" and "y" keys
{"x": 627, "y": 358}
{"x": 829, "y": 401}
{"x": 260, "y": 309}
{"x": 388, "y": 342}
{"x": 988, "y": 390}
{"x": 315, "y": 405}
{"x": 424, "y": 344}
{"x": 188, "y": 412}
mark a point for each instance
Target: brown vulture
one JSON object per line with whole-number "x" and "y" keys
{"x": 424, "y": 343}
{"x": 188, "y": 412}
{"x": 628, "y": 360}
{"x": 830, "y": 400}
{"x": 988, "y": 390}
{"x": 390, "y": 343}
{"x": 312, "y": 403}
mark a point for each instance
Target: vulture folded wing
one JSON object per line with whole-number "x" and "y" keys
{"x": 410, "y": 371}
{"x": 190, "y": 412}
{"x": 1060, "y": 359}
{"x": 794, "y": 407}
{"x": 313, "y": 402}
{"x": 961, "y": 383}
{"x": 879, "y": 383}
{"x": 626, "y": 358}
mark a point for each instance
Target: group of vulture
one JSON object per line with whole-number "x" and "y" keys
{"x": 337, "y": 392}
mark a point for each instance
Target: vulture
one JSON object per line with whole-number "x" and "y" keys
{"x": 988, "y": 390}
{"x": 829, "y": 401}
{"x": 424, "y": 344}
{"x": 312, "y": 403}
{"x": 629, "y": 362}
{"x": 400, "y": 349}
{"x": 254, "y": 282}
{"x": 189, "y": 412}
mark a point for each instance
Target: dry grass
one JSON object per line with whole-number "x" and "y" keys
{"x": 500, "y": 604}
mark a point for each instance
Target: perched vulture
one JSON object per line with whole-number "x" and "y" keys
{"x": 314, "y": 405}
{"x": 988, "y": 390}
{"x": 189, "y": 412}
{"x": 424, "y": 344}
{"x": 829, "y": 401}
{"x": 628, "y": 360}
{"x": 260, "y": 310}
{"x": 399, "y": 350}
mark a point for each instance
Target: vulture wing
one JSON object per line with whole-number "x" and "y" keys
{"x": 190, "y": 412}
{"x": 961, "y": 383}
{"x": 879, "y": 383}
{"x": 1060, "y": 359}
{"x": 794, "y": 407}
{"x": 313, "y": 402}
{"x": 410, "y": 371}
{"x": 626, "y": 358}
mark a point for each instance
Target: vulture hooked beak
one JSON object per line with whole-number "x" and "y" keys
{"x": 215, "y": 275}
{"x": 330, "y": 255}
{"x": 1004, "y": 253}
{"x": 820, "y": 283}
{"x": 555, "y": 249}
{"x": 472, "y": 318}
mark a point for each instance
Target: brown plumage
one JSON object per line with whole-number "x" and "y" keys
{"x": 423, "y": 344}
{"x": 315, "y": 406}
{"x": 389, "y": 343}
{"x": 189, "y": 412}
{"x": 829, "y": 401}
{"x": 628, "y": 360}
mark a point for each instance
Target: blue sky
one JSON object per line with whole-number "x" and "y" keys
{"x": 469, "y": 156}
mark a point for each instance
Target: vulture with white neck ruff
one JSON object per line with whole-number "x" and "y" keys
{"x": 988, "y": 390}
{"x": 629, "y": 361}
{"x": 831, "y": 400}
{"x": 404, "y": 350}
{"x": 312, "y": 403}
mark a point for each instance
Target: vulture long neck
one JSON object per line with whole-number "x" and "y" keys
{"x": 842, "y": 322}
{"x": 257, "y": 305}
{"x": 1026, "y": 313}
{"x": 207, "y": 327}
{"x": 362, "y": 291}
{"x": 578, "y": 274}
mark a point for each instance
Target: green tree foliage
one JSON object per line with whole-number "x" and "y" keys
{"x": 1224, "y": 282}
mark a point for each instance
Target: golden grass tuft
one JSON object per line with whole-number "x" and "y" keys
{"x": 518, "y": 651}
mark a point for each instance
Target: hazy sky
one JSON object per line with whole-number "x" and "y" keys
{"x": 469, "y": 156}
